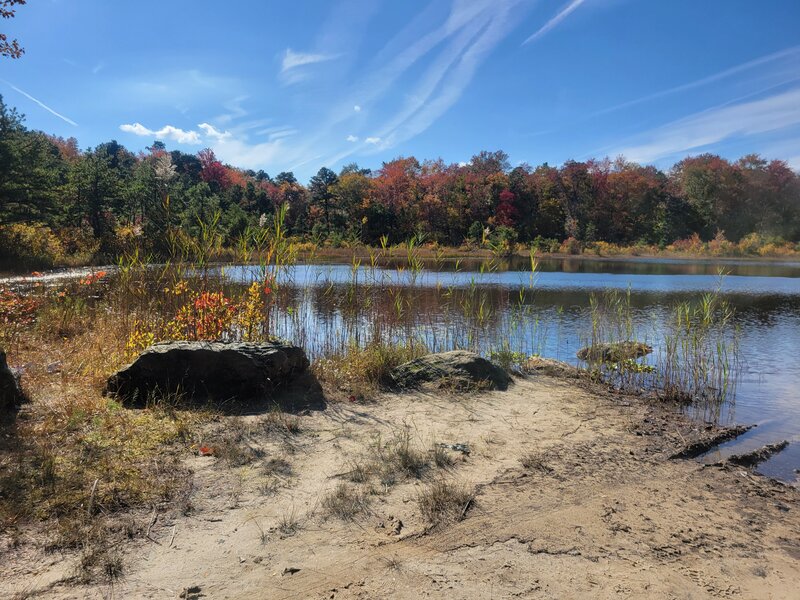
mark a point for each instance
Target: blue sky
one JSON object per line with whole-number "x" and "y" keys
{"x": 298, "y": 85}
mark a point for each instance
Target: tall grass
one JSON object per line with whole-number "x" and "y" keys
{"x": 697, "y": 352}
{"x": 388, "y": 308}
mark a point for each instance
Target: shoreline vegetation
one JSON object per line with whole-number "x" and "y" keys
{"x": 89, "y": 486}
{"x": 435, "y": 256}
{"x": 76, "y": 462}
{"x": 62, "y": 206}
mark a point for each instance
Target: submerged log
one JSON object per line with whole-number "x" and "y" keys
{"x": 695, "y": 449}
{"x": 756, "y": 457}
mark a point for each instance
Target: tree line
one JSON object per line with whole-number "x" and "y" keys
{"x": 107, "y": 196}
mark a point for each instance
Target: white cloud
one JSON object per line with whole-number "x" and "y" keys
{"x": 357, "y": 108}
{"x": 373, "y": 140}
{"x": 168, "y": 132}
{"x": 352, "y": 138}
{"x": 292, "y": 60}
{"x": 213, "y": 132}
{"x": 768, "y": 115}
{"x": 565, "y": 12}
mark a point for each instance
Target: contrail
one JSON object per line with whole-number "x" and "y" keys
{"x": 792, "y": 51}
{"x": 555, "y": 20}
{"x": 42, "y": 104}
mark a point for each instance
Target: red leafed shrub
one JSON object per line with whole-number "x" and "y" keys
{"x": 205, "y": 317}
{"x": 16, "y": 309}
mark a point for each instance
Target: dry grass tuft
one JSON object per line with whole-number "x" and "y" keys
{"x": 441, "y": 457}
{"x": 534, "y": 461}
{"x": 445, "y": 502}
{"x": 360, "y": 372}
{"x": 345, "y": 502}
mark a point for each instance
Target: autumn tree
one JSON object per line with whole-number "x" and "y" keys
{"x": 10, "y": 48}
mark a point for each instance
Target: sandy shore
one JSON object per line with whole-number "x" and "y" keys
{"x": 575, "y": 496}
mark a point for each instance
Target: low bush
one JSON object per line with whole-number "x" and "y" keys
{"x": 25, "y": 246}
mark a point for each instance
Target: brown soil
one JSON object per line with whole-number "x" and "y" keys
{"x": 575, "y": 496}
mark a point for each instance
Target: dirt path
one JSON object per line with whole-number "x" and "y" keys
{"x": 575, "y": 497}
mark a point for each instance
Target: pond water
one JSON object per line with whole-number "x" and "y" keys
{"x": 495, "y": 305}
{"x": 502, "y": 304}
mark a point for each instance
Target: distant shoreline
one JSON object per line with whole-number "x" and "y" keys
{"x": 345, "y": 255}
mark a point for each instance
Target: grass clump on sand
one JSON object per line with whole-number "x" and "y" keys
{"x": 362, "y": 371}
{"x": 445, "y": 502}
{"x": 345, "y": 502}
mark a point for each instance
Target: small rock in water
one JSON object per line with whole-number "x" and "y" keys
{"x": 613, "y": 352}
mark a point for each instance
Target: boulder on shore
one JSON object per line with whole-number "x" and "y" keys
{"x": 11, "y": 395}
{"x": 458, "y": 367}
{"x": 215, "y": 371}
{"x": 614, "y": 352}
{"x": 551, "y": 368}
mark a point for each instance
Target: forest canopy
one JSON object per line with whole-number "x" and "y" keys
{"x": 106, "y": 199}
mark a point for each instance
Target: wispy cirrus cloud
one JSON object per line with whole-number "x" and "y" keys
{"x": 40, "y": 103}
{"x": 292, "y": 59}
{"x": 787, "y": 62}
{"x": 552, "y": 23}
{"x": 778, "y": 114}
{"x": 451, "y": 53}
{"x": 292, "y": 70}
{"x": 418, "y": 75}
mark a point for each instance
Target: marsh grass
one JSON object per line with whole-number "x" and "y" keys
{"x": 78, "y": 333}
{"x": 695, "y": 363}
{"x": 363, "y": 371}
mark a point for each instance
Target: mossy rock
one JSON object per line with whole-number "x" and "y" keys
{"x": 11, "y": 395}
{"x": 214, "y": 371}
{"x": 614, "y": 352}
{"x": 458, "y": 368}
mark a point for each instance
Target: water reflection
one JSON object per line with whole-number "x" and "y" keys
{"x": 326, "y": 306}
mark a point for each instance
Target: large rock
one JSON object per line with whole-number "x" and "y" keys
{"x": 539, "y": 365}
{"x": 614, "y": 352}
{"x": 459, "y": 367}
{"x": 11, "y": 395}
{"x": 214, "y": 371}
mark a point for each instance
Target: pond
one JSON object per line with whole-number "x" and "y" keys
{"x": 486, "y": 306}
{"x": 501, "y": 305}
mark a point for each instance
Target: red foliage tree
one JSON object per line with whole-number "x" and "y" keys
{"x": 213, "y": 172}
{"x": 506, "y": 213}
